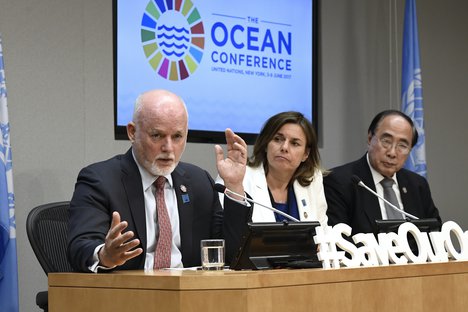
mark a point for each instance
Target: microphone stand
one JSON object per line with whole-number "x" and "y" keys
{"x": 361, "y": 184}
{"x": 226, "y": 191}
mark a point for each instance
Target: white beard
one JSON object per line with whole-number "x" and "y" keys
{"x": 156, "y": 171}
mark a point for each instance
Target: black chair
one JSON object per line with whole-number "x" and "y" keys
{"x": 47, "y": 229}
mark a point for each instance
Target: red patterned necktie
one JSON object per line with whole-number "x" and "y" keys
{"x": 162, "y": 254}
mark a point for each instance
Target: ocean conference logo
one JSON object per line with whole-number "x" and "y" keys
{"x": 173, "y": 38}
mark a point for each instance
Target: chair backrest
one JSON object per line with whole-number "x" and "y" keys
{"x": 47, "y": 228}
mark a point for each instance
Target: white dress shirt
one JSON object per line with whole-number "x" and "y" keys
{"x": 379, "y": 189}
{"x": 147, "y": 180}
{"x": 151, "y": 217}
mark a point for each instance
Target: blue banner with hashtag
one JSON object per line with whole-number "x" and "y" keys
{"x": 411, "y": 88}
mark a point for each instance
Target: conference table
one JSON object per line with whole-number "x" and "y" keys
{"x": 411, "y": 287}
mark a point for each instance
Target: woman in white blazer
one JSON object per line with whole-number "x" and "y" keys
{"x": 283, "y": 171}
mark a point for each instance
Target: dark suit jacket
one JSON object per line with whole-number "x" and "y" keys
{"x": 351, "y": 204}
{"x": 115, "y": 185}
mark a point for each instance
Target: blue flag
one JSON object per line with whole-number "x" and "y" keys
{"x": 8, "y": 260}
{"x": 411, "y": 88}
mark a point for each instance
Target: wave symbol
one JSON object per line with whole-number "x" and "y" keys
{"x": 182, "y": 29}
{"x": 169, "y": 53}
{"x": 177, "y": 46}
{"x": 173, "y": 37}
{"x": 174, "y": 40}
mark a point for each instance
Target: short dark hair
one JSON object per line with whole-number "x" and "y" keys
{"x": 392, "y": 112}
{"x": 306, "y": 170}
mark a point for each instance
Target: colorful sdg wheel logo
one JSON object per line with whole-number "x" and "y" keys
{"x": 173, "y": 39}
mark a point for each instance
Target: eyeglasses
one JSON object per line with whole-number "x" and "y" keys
{"x": 400, "y": 147}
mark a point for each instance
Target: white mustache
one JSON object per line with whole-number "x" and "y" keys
{"x": 165, "y": 156}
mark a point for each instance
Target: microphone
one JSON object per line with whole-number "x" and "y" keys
{"x": 358, "y": 181}
{"x": 223, "y": 189}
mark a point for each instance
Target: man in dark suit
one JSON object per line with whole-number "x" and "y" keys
{"x": 114, "y": 212}
{"x": 391, "y": 136}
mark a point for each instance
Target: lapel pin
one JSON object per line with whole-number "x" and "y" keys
{"x": 185, "y": 198}
{"x": 404, "y": 190}
{"x": 183, "y": 188}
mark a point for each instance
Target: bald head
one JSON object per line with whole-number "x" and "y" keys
{"x": 159, "y": 102}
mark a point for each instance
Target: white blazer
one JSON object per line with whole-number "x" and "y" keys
{"x": 311, "y": 201}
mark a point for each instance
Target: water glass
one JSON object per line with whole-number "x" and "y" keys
{"x": 212, "y": 254}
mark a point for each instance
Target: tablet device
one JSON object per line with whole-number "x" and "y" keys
{"x": 278, "y": 245}
{"x": 424, "y": 225}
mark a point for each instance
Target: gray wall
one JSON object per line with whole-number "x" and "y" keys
{"x": 58, "y": 58}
